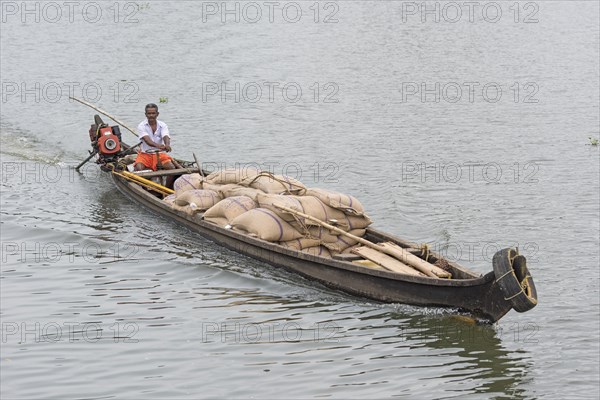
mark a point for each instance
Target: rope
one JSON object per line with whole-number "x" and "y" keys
{"x": 425, "y": 251}
{"x": 507, "y": 273}
{"x": 524, "y": 284}
{"x": 515, "y": 295}
{"x": 283, "y": 183}
{"x": 512, "y": 259}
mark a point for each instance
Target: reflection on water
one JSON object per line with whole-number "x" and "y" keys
{"x": 480, "y": 355}
{"x": 106, "y": 212}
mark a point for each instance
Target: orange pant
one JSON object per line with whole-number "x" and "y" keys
{"x": 150, "y": 160}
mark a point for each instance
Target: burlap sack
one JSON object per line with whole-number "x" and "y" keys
{"x": 345, "y": 223}
{"x": 322, "y": 234}
{"x": 348, "y": 204}
{"x": 206, "y": 185}
{"x": 188, "y": 182}
{"x": 232, "y": 175}
{"x": 217, "y": 220}
{"x": 186, "y": 209}
{"x": 266, "y": 225}
{"x": 268, "y": 200}
{"x": 350, "y": 222}
{"x": 170, "y": 199}
{"x": 349, "y": 249}
{"x": 302, "y": 243}
{"x": 198, "y": 199}
{"x": 343, "y": 242}
{"x": 230, "y": 208}
{"x": 319, "y": 251}
{"x": 222, "y": 190}
{"x": 235, "y": 190}
{"x": 314, "y": 207}
{"x": 276, "y": 184}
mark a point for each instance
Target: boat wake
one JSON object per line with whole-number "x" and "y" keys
{"x": 25, "y": 145}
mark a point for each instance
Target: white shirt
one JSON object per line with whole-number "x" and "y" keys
{"x": 144, "y": 129}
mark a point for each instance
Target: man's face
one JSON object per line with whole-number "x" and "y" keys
{"x": 152, "y": 114}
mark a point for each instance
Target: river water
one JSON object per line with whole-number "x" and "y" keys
{"x": 461, "y": 125}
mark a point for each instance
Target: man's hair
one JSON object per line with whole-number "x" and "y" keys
{"x": 150, "y": 105}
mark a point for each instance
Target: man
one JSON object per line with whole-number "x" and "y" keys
{"x": 154, "y": 135}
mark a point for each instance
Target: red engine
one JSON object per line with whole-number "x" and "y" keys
{"x": 108, "y": 142}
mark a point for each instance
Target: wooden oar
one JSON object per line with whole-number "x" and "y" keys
{"x": 101, "y": 111}
{"x": 394, "y": 251}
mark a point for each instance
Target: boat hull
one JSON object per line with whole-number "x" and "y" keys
{"x": 481, "y": 296}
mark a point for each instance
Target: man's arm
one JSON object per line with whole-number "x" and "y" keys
{"x": 166, "y": 137}
{"x": 151, "y": 143}
{"x": 143, "y": 136}
{"x": 167, "y": 146}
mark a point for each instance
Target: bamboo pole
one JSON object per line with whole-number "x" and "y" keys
{"x": 139, "y": 183}
{"x": 144, "y": 182}
{"x": 398, "y": 253}
{"x": 101, "y": 111}
{"x": 409, "y": 258}
{"x": 148, "y": 182}
{"x": 198, "y": 165}
{"x": 386, "y": 261}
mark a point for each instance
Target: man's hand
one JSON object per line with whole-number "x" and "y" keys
{"x": 167, "y": 146}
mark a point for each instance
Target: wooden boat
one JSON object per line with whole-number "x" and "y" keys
{"x": 489, "y": 297}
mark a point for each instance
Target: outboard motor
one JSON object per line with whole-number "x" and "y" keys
{"x": 106, "y": 140}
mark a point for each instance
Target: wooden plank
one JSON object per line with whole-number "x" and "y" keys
{"x": 386, "y": 261}
{"x": 397, "y": 252}
{"x": 368, "y": 264}
{"x": 347, "y": 257}
{"x": 416, "y": 262}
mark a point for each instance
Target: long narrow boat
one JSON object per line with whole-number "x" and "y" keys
{"x": 489, "y": 297}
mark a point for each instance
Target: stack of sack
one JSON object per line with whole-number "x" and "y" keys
{"x": 244, "y": 199}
